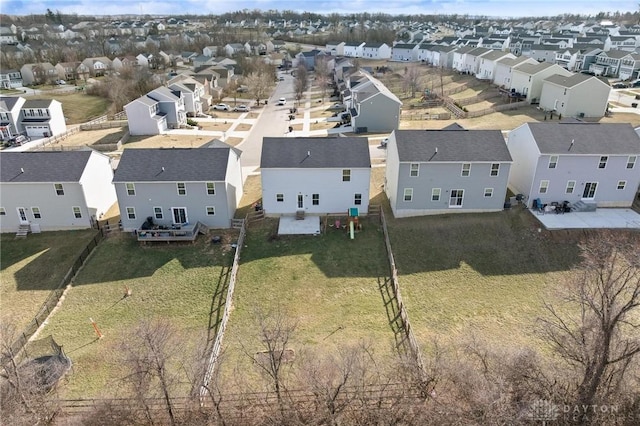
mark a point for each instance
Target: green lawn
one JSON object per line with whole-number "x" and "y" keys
{"x": 174, "y": 282}
{"x": 480, "y": 274}
{"x": 31, "y": 267}
{"x": 327, "y": 285}
{"x": 78, "y": 107}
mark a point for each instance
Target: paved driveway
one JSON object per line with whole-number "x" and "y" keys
{"x": 602, "y": 218}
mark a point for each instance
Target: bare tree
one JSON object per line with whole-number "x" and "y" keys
{"x": 596, "y": 331}
{"x": 411, "y": 80}
{"x": 301, "y": 82}
{"x": 260, "y": 83}
{"x": 322, "y": 75}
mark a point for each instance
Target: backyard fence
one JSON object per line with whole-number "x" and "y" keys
{"x": 217, "y": 344}
{"x": 404, "y": 316}
{"x": 57, "y": 138}
{"x": 103, "y": 125}
{"x": 52, "y": 300}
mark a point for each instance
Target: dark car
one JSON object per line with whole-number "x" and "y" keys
{"x": 635, "y": 83}
{"x": 619, "y": 85}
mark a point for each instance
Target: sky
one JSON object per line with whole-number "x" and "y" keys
{"x": 497, "y": 8}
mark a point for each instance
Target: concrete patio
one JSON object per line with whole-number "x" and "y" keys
{"x": 289, "y": 225}
{"x": 602, "y": 218}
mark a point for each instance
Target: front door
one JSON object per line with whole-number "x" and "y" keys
{"x": 22, "y": 214}
{"x": 179, "y": 215}
{"x": 300, "y": 202}
{"x": 589, "y": 190}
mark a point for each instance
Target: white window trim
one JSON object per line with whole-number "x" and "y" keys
{"x": 455, "y": 206}
{"x": 155, "y": 214}
{"x": 133, "y": 210}
{"x": 573, "y": 187}
{"x": 606, "y": 157}
{"x": 280, "y": 201}
{"x": 633, "y": 163}
{"x": 346, "y": 173}
{"x": 73, "y": 211}
{"x": 433, "y": 193}
{"x": 55, "y": 188}
{"x": 207, "y": 188}
{"x": 417, "y": 169}
{"x": 489, "y": 191}
{"x": 465, "y": 170}
{"x": 491, "y": 170}
{"x": 3, "y": 212}
{"x": 206, "y": 210}
{"x": 624, "y": 185}
{"x": 404, "y": 195}
{"x": 178, "y": 188}
{"x": 33, "y": 212}
{"x": 555, "y": 163}
{"x": 313, "y": 199}
{"x": 133, "y": 187}
{"x": 541, "y": 186}
{"x": 356, "y": 201}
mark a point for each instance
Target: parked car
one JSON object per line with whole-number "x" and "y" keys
{"x": 281, "y": 101}
{"x": 18, "y": 140}
{"x": 337, "y": 105}
{"x": 620, "y": 85}
{"x": 241, "y": 108}
{"x": 222, "y": 107}
{"x": 635, "y": 83}
{"x": 281, "y": 78}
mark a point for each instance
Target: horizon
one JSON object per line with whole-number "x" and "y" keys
{"x": 503, "y": 9}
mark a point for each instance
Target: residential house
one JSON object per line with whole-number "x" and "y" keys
{"x": 144, "y": 60}
{"x": 627, "y": 43}
{"x": 472, "y": 59}
{"x": 452, "y": 170}
{"x": 629, "y": 66}
{"x": 569, "y": 59}
{"x": 54, "y": 190}
{"x": 573, "y": 161}
{"x": 179, "y": 186}
{"x": 155, "y": 112}
{"x": 488, "y": 63}
{"x": 8, "y": 34}
{"x": 404, "y": 52}
{"x": 10, "y": 125}
{"x": 335, "y": 48}
{"x": 353, "y": 49}
{"x": 39, "y": 73}
{"x": 315, "y": 175}
{"x": 609, "y": 64}
{"x": 544, "y": 52}
{"x": 42, "y": 118}
{"x": 124, "y": 63}
{"x": 234, "y": 49}
{"x": 376, "y": 51}
{"x": 256, "y": 48}
{"x": 459, "y": 58}
{"x": 98, "y": 66}
{"x": 373, "y": 107}
{"x": 67, "y": 70}
{"x": 308, "y": 59}
{"x": 192, "y": 91}
{"x": 579, "y": 95}
{"x": 504, "y": 69}
{"x": 210, "y": 51}
{"x": 10, "y": 79}
{"x": 527, "y": 79}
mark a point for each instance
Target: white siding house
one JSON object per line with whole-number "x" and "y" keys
{"x": 579, "y": 95}
{"x": 315, "y": 175}
{"x": 527, "y": 79}
{"x": 42, "y": 118}
{"x": 488, "y": 63}
{"x": 376, "y": 51}
{"x": 10, "y": 108}
{"x": 589, "y": 162}
{"x": 504, "y": 69}
{"x": 54, "y": 190}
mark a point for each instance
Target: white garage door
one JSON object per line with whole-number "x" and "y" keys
{"x": 37, "y": 131}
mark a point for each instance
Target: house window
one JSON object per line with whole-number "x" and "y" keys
{"x": 280, "y": 198}
{"x": 457, "y": 195}
{"x": 415, "y": 167}
{"x": 571, "y": 184}
{"x": 211, "y": 188}
{"x": 36, "y": 212}
{"x": 603, "y": 162}
{"x": 346, "y": 175}
{"x": 544, "y": 186}
{"x": 211, "y": 211}
{"x": 131, "y": 189}
{"x": 182, "y": 188}
{"x": 315, "y": 199}
{"x": 77, "y": 213}
{"x": 408, "y": 194}
{"x": 466, "y": 169}
{"x": 157, "y": 212}
{"x": 3, "y": 212}
{"x": 59, "y": 189}
{"x": 435, "y": 194}
{"x": 553, "y": 161}
{"x": 131, "y": 213}
{"x": 621, "y": 184}
{"x": 495, "y": 169}
{"x": 488, "y": 192}
{"x": 631, "y": 162}
{"x": 357, "y": 199}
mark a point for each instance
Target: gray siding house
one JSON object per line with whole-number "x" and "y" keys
{"x": 315, "y": 175}
{"x": 576, "y": 161}
{"x": 372, "y": 106}
{"x": 446, "y": 171}
{"x": 54, "y": 190}
{"x": 179, "y": 186}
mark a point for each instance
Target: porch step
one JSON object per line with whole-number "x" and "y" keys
{"x": 300, "y": 215}
{"x": 23, "y": 230}
{"x": 581, "y": 206}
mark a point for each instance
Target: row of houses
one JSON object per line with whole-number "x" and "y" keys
{"x": 35, "y": 118}
{"x": 452, "y": 170}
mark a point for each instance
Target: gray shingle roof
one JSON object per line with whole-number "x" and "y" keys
{"x": 571, "y": 81}
{"x": 588, "y": 138}
{"x": 494, "y": 54}
{"x": 452, "y": 145}
{"x": 37, "y": 103}
{"x": 350, "y": 152}
{"x": 173, "y": 165}
{"x": 49, "y": 166}
{"x": 533, "y": 69}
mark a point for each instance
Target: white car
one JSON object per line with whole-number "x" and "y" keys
{"x": 281, "y": 101}
{"x": 222, "y": 107}
{"x": 241, "y": 108}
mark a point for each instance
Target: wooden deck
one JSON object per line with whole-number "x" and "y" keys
{"x": 184, "y": 233}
